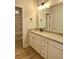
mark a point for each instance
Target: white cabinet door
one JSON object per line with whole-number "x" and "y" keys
{"x": 31, "y": 40}
{"x": 37, "y": 43}
{"x": 54, "y": 53}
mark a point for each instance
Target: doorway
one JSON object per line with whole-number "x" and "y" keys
{"x": 18, "y": 27}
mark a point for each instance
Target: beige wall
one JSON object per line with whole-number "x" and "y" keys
{"x": 29, "y": 10}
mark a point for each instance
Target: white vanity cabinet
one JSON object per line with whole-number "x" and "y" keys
{"x": 35, "y": 42}
{"x": 55, "y": 50}
{"x": 45, "y": 46}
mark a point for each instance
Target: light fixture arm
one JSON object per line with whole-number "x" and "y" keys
{"x": 44, "y": 2}
{"x": 43, "y": 5}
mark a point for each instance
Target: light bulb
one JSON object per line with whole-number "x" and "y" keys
{"x": 17, "y": 12}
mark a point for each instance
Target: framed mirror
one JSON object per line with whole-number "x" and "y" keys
{"x": 51, "y": 19}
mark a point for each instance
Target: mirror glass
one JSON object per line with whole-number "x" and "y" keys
{"x": 51, "y": 19}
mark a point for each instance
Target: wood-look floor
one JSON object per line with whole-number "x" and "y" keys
{"x": 25, "y": 53}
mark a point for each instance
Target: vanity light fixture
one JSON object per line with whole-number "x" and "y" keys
{"x": 44, "y": 5}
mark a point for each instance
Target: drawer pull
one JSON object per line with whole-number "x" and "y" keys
{"x": 43, "y": 45}
{"x": 33, "y": 38}
{"x": 43, "y": 53}
{"x": 44, "y": 40}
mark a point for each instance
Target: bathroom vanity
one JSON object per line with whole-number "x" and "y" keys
{"x": 49, "y": 45}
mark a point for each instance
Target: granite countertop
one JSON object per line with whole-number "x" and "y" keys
{"x": 55, "y": 37}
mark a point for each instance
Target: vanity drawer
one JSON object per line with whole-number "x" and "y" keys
{"x": 44, "y": 40}
{"x": 44, "y": 54}
{"x": 44, "y": 46}
{"x": 55, "y": 44}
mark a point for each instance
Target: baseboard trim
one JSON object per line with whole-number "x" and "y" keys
{"x": 25, "y": 46}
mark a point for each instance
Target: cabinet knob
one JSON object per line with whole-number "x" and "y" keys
{"x": 44, "y": 40}
{"x": 43, "y": 45}
{"x": 33, "y": 38}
